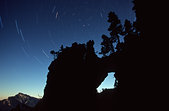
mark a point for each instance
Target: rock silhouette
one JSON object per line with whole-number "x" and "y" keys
{"x": 77, "y": 71}
{"x": 73, "y": 78}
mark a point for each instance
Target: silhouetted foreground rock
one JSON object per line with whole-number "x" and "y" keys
{"x": 72, "y": 79}
{"x": 76, "y": 73}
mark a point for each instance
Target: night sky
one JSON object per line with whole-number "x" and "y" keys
{"x": 30, "y": 29}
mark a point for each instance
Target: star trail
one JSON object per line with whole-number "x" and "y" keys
{"x": 30, "y": 29}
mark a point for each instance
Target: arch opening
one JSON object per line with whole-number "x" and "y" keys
{"x": 108, "y": 82}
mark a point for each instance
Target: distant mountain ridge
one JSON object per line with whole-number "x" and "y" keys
{"x": 21, "y": 100}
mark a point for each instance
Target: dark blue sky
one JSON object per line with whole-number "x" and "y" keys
{"x": 29, "y": 29}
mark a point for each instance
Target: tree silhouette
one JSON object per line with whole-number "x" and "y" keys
{"x": 127, "y": 27}
{"x": 115, "y": 27}
{"x": 116, "y": 30}
{"x": 107, "y": 45}
{"x": 61, "y": 48}
{"x": 54, "y": 54}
